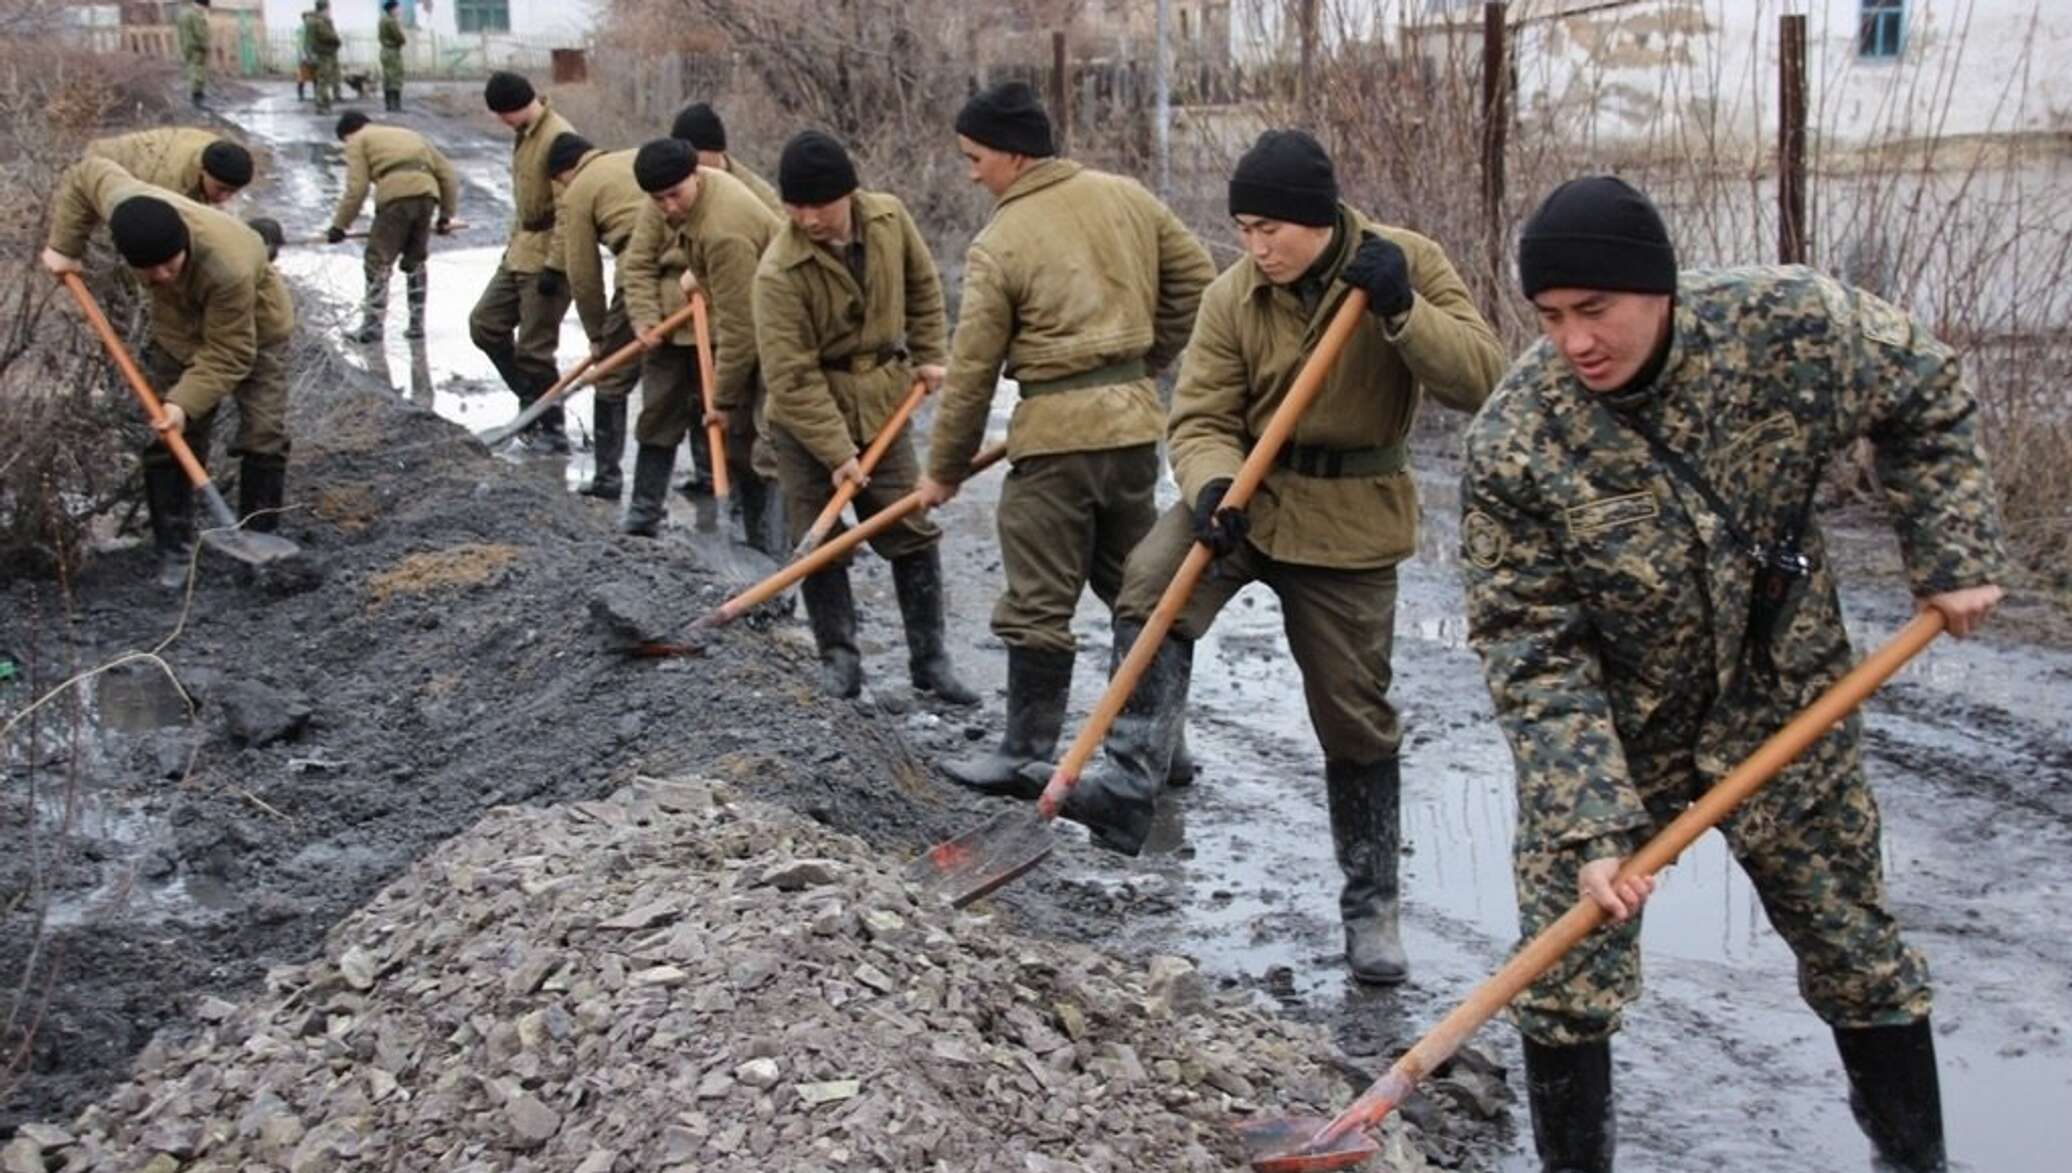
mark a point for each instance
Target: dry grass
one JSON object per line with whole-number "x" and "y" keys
{"x": 451, "y": 569}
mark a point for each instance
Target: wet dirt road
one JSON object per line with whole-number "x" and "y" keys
{"x": 1721, "y": 1065}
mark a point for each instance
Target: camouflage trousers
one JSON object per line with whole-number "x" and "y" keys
{"x": 1809, "y": 842}
{"x": 327, "y": 81}
{"x": 391, "y": 71}
{"x": 808, "y": 489}
{"x": 197, "y": 74}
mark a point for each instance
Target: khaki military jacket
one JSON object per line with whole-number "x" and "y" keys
{"x": 532, "y": 194}
{"x": 1609, "y": 601}
{"x": 1250, "y": 341}
{"x": 835, "y": 355}
{"x": 755, "y": 183}
{"x": 721, "y": 240}
{"x": 169, "y": 157}
{"x": 1077, "y": 270}
{"x": 599, "y": 205}
{"x": 399, "y": 164}
{"x": 227, "y": 303}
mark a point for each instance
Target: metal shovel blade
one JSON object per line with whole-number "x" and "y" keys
{"x": 252, "y": 549}
{"x": 1277, "y": 1145}
{"x": 985, "y": 858}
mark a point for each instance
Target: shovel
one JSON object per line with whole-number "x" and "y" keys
{"x": 364, "y": 233}
{"x": 577, "y": 378}
{"x": 252, "y": 549}
{"x": 962, "y": 869}
{"x": 871, "y": 455}
{"x": 692, "y": 643}
{"x": 715, "y": 435}
{"x": 1298, "y": 1143}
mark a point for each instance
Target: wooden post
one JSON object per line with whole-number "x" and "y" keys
{"x": 1496, "y": 119}
{"x": 1060, "y": 110}
{"x": 1305, "y": 78}
{"x": 1793, "y": 246}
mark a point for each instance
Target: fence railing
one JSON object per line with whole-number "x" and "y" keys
{"x": 257, "y": 52}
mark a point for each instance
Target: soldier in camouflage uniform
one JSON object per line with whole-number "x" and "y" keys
{"x": 1651, "y": 600}
{"x": 196, "y": 163}
{"x": 324, "y": 43}
{"x": 598, "y": 204}
{"x": 390, "y": 33}
{"x": 194, "y": 49}
{"x": 411, "y": 180}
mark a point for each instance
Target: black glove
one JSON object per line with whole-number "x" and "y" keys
{"x": 333, "y": 234}
{"x": 1379, "y": 267}
{"x": 443, "y": 227}
{"x": 1221, "y": 530}
{"x": 550, "y": 283}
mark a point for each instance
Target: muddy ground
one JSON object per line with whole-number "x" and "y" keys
{"x": 448, "y": 665}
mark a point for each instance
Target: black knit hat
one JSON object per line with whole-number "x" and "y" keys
{"x": 226, "y": 162}
{"x": 663, "y": 163}
{"x": 269, "y": 230}
{"x": 1598, "y": 232}
{"x": 698, "y": 124}
{"x": 567, "y": 150}
{"x": 507, "y": 91}
{"x": 814, "y": 170}
{"x": 349, "y": 122}
{"x": 147, "y": 231}
{"x": 1008, "y": 117}
{"x": 1286, "y": 176}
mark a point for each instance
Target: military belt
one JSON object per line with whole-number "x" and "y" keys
{"x": 538, "y": 223}
{"x": 863, "y": 362}
{"x": 400, "y": 168}
{"x": 1127, "y": 371}
{"x": 1315, "y": 460}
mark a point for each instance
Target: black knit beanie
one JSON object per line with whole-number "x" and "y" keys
{"x": 663, "y": 163}
{"x": 1008, "y": 117}
{"x": 147, "y": 231}
{"x": 1286, "y": 176}
{"x": 269, "y": 230}
{"x": 814, "y": 170}
{"x": 349, "y": 122}
{"x": 698, "y": 124}
{"x": 507, "y": 91}
{"x": 226, "y": 162}
{"x": 1597, "y": 232}
{"x": 567, "y": 150}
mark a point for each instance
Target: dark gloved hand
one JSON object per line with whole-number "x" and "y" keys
{"x": 443, "y": 227}
{"x": 1379, "y": 267}
{"x": 334, "y": 234}
{"x": 1221, "y": 530}
{"x": 550, "y": 283}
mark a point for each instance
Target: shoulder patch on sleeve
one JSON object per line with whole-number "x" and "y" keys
{"x": 1483, "y": 540}
{"x": 1885, "y": 324}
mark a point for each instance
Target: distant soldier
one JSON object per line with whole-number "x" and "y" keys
{"x": 220, "y": 325}
{"x": 411, "y": 181}
{"x": 305, "y": 56}
{"x": 698, "y": 124}
{"x": 1652, "y": 598}
{"x": 392, "y": 39}
{"x": 194, "y": 48}
{"x": 199, "y": 164}
{"x": 324, "y": 43}
{"x": 848, "y": 311}
{"x": 599, "y": 204}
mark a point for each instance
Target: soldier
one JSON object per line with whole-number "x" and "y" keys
{"x": 198, "y": 164}
{"x": 1331, "y": 521}
{"x": 305, "y": 56}
{"x": 715, "y": 229}
{"x": 194, "y": 49}
{"x": 1084, "y": 438}
{"x": 848, "y": 311}
{"x": 698, "y": 124}
{"x": 517, "y": 321}
{"x": 390, "y": 32}
{"x": 600, "y": 202}
{"x": 324, "y": 43}
{"x": 1651, "y": 598}
{"x": 220, "y": 323}
{"x": 411, "y": 179}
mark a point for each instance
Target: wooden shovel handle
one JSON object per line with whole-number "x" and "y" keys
{"x": 1553, "y": 942}
{"x": 577, "y": 379}
{"x": 868, "y": 461}
{"x": 1258, "y": 462}
{"x": 153, "y": 409}
{"x": 701, "y": 326}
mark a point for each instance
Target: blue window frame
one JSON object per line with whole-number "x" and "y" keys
{"x": 1882, "y": 30}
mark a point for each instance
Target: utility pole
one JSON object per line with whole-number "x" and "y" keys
{"x": 1792, "y": 245}
{"x": 1162, "y": 127}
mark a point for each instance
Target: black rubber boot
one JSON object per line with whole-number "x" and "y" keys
{"x": 170, "y": 501}
{"x": 831, "y": 613}
{"x": 1180, "y": 772}
{"x": 1570, "y": 1088}
{"x": 373, "y": 311}
{"x": 1895, "y": 1094}
{"x": 262, "y": 484}
{"x": 504, "y": 359}
{"x": 1117, "y": 801}
{"x": 917, "y": 580}
{"x": 198, "y": 99}
{"x": 758, "y": 499}
{"x": 1038, "y": 683}
{"x": 1367, "y": 837}
{"x": 550, "y": 431}
{"x": 607, "y": 481}
{"x": 651, "y": 468}
{"x": 415, "y": 286}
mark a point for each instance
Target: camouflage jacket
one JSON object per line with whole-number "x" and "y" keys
{"x": 194, "y": 33}
{"x": 324, "y": 40}
{"x": 598, "y": 205}
{"x": 721, "y": 239}
{"x": 399, "y": 163}
{"x": 1610, "y": 603}
{"x": 169, "y": 157}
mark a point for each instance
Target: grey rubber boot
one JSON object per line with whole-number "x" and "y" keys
{"x": 1038, "y": 683}
{"x": 917, "y": 580}
{"x": 606, "y": 481}
{"x": 262, "y": 484}
{"x": 170, "y": 501}
{"x": 372, "y": 311}
{"x": 415, "y": 287}
{"x": 1574, "y": 1129}
{"x": 831, "y": 613}
{"x": 1116, "y": 802}
{"x": 1367, "y": 837}
{"x": 1895, "y": 1094}
{"x": 651, "y": 468}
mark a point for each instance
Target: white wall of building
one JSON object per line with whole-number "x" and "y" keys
{"x": 567, "y": 22}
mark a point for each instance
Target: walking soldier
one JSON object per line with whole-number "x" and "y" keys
{"x": 194, "y": 49}
{"x": 198, "y": 164}
{"x": 390, "y": 32}
{"x": 411, "y": 180}
{"x": 324, "y": 43}
{"x": 599, "y": 204}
